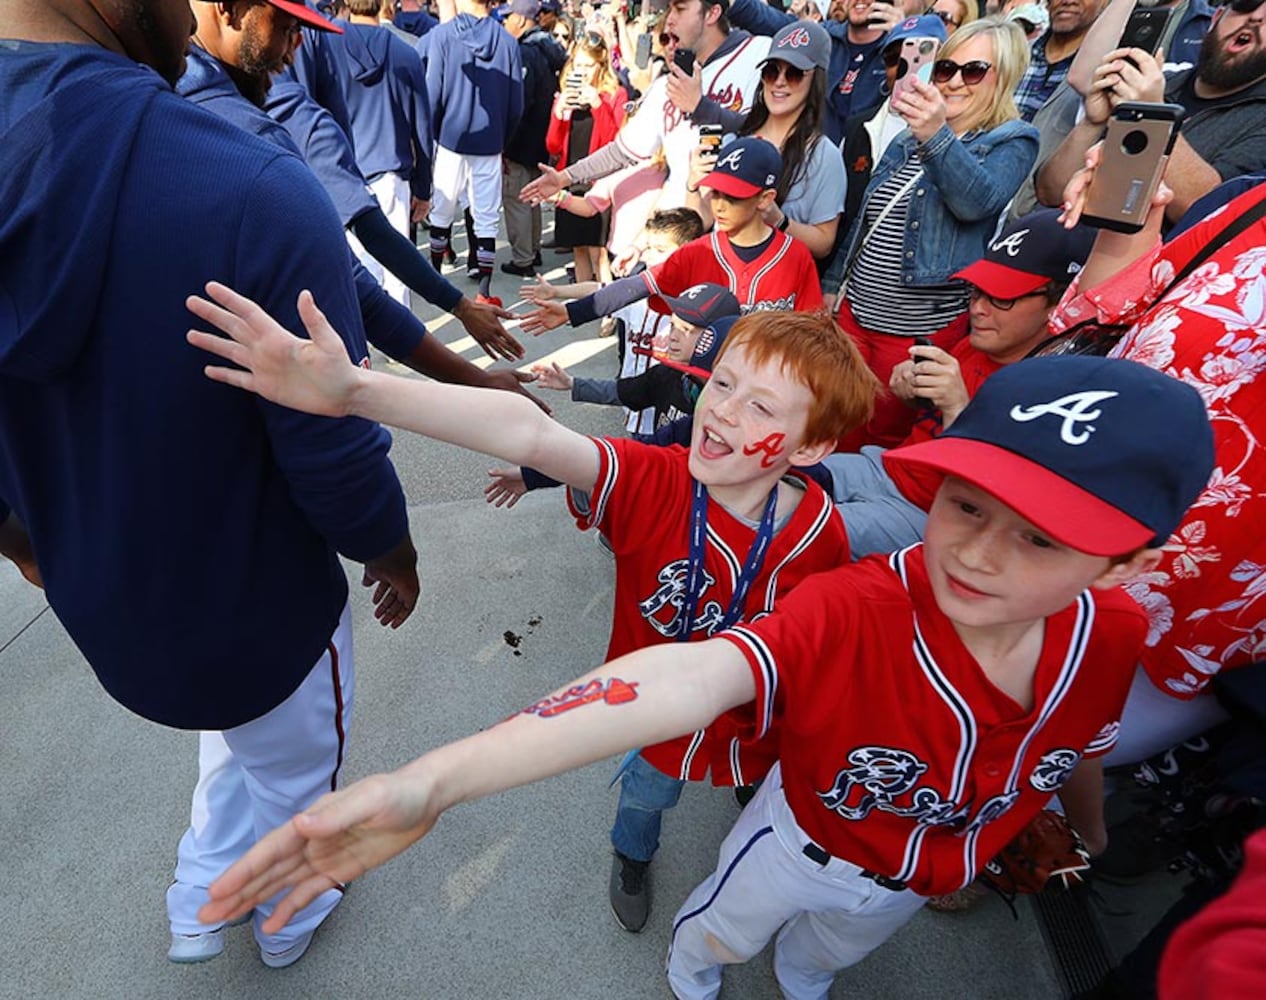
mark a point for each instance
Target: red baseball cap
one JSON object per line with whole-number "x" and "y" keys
{"x": 304, "y": 14}
{"x": 745, "y": 168}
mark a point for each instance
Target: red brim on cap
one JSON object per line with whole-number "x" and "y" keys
{"x": 735, "y": 187}
{"x": 687, "y": 369}
{"x": 1060, "y": 509}
{"x": 311, "y": 18}
{"x": 1000, "y": 281}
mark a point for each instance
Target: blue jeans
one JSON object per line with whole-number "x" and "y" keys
{"x": 645, "y": 792}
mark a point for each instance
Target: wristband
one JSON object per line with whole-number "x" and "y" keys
{"x": 560, "y": 197}
{"x": 786, "y": 221}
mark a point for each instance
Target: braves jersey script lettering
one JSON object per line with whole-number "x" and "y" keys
{"x": 898, "y": 753}
{"x": 641, "y": 502}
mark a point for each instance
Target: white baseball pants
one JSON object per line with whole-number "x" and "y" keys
{"x": 394, "y": 198}
{"x": 478, "y": 178}
{"x": 827, "y": 917}
{"x": 254, "y": 777}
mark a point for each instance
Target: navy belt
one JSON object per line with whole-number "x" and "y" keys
{"x": 819, "y": 856}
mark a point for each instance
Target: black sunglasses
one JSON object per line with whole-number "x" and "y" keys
{"x": 774, "y": 68}
{"x": 1002, "y": 305}
{"x": 948, "y": 18}
{"x": 1245, "y": 6}
{"x": 974, "y": 71}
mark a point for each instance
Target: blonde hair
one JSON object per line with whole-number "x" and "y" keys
{"x": 593, "y": 45}
{"x": 1010, "y": 63}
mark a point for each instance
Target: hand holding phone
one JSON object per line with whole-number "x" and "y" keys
{"x": 684, "y": 60}
{"x": 710, "y": 137}
{"x": 1136, "y": 149}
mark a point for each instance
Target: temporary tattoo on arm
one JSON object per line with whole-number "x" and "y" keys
{"x": 771, "y": 445}
{"x": 611, "y": 691}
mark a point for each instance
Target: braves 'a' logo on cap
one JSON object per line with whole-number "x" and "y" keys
{"x": 795, "y": 40}
{"x": 1053, "y": 769}
{"x": 1011, "y": 244}
{"x": 694, "y": 291}
{"x": 1076, "y": 410}
{"x": 730, "y": 161}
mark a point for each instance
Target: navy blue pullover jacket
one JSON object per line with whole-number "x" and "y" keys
{"x": 474, "y": 81}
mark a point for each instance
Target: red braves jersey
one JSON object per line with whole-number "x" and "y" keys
{"x": 641, "y": 502}
{"x": 784, "y": 277}
{"x": 898, "y": 753}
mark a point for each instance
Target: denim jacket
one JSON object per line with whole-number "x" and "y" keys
{"x": 954, "y": 207}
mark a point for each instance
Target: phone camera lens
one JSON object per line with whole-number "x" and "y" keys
{"x": 1134, "y": 142}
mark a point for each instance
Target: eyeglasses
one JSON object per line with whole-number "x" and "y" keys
{"x": 1245, "y": 6}
{"x": 948, "y": 18}
{"x": 1003, "y": 305}
{"x": 774, "y": 69}
{"x": 943, "y": 71}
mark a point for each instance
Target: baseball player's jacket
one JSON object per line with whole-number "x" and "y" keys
{"x": 187, "y": 533}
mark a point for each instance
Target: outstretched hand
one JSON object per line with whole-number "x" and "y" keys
{"x": 338, "y": 839}
{"x": 547, "y": 185}
{"x": 315, "y": 376}
{"x": 546, "y": 316}
{"x": 539, "y": 290}
{"x": 506, "y": 488}
{"x": 553, "y": 376}
{"x": 396, "y": 575}
{"x": 510, "y": 380}
{"x": 482, "y": 321}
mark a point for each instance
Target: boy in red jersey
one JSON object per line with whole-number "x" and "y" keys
{"x": 929, "y": 703}
{"x": 765, "y": 269}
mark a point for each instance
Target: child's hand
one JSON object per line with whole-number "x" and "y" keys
{"x": 546, "y": 316}
{"x": 538, "y": 291}
{"x": 551, "y": 376}
{"x": 702, "y": 160}
{"x": 625, "y": 261}
{"x": 506, "y": 487}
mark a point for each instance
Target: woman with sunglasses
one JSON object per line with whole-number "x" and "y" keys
{"x": 931, "y": 206}
{"x": 588, "y": 112}
{"x": 955, "y": 13}
{"x": 787, "y": 111}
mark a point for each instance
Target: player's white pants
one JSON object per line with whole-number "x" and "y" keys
{"x": 393, "y": 194}
{"x": 830, "y": 917}
{"x": 1153, "y": 721}
{"x": 478, "y": 178}
{"x": 254, "y": 777}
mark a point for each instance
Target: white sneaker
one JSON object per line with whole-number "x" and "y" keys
{"x": 188, "y": 948}
{"x": 196, "y": 947}
{"x": 282, "y": 959}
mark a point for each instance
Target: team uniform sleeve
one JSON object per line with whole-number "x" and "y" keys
{"x": 677, "y": 272}
{"x": 807, "y": 632}
{"x": 1103, "y": 741}
{"x": 330, "y": 156}
{"x": 337, "y": 469}
{"x": 632, "y": 479}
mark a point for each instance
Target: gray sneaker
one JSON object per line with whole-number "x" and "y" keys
{"x": 630, "y": 892}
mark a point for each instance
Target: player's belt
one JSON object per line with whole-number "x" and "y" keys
{"x": 819, "y": 856}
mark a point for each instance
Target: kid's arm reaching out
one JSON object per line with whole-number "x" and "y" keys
{"x": 640, "y": 699}
{"x": 317, "y": 376}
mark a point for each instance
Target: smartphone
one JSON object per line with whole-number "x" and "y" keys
{"x": 923, "y": 402}
{"x": 1145, "y": 29}
{"x": 710, "y": 137}
{"x": 642, "y": 57}
{"x": 571, "y": 89}
{"x": 874, "y": 19}
{"x": 684, "y": 59}
{"x": 917, "y": 57}
{"x": 1136, "y": 147}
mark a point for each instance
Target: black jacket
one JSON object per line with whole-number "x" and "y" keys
{"x": 542, "y": 58}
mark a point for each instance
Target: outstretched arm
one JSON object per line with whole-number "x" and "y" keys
{"x": 643, "y": 698}
{"x": 317, "y": 376}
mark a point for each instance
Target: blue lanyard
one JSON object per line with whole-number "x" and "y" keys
{"x": 695, "y": 574}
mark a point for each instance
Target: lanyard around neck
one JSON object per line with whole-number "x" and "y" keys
{"x": 696, "y": 575}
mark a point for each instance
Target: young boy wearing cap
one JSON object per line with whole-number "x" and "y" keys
{"x": 930, "y": 702}
{"x": 702, "y": 538}
{"x": 1014, "y": 288}
{"x": 764, "y": 268}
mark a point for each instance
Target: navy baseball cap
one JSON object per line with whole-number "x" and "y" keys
{"x": 745, "y": 168}
{"x": 551, "y": 6}
{"x": 308, "y": 16}
{"x": 1030, "y": 252}
{"x": 702, "y": 305}
{"x": 803, "y": 44}
{"x": 707, "y": 347}
{"x": 1075, "y": 445}
{"x": 529, "y": 9}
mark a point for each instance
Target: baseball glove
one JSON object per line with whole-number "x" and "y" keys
{"x": 1047, "y": 850}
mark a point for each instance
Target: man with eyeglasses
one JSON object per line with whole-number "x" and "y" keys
{"x": 1014, "y": 289}
{"x": 1224, "y": 94}
{"x": 1052, "y": 54}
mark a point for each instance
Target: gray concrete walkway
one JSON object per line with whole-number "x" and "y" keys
{"x": 506, "y": 899}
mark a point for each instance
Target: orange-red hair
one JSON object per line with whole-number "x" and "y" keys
{"x": 812, "y": 349}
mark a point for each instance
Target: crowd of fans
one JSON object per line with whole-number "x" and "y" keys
{"x": 915, "y": 173}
